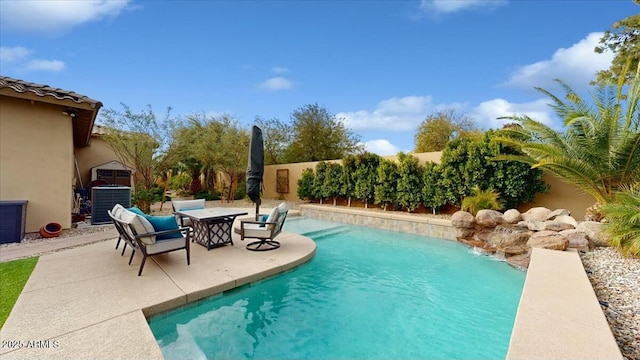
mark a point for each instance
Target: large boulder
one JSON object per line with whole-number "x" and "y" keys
{"x": 512, "y": 216}
{"x": 548, "y": 240}
{"x": 557, "y": 212}
{"x": 577, "y": 239}
{"x": 567, "y": 219}
{"x": 595, "y": 233}
{"x": 464, "y": 233}
{"x": 533, "y": 225}
{"x": 482, "y": 235}
{"x": 503, "y": 236}
{"x": 557, "y": 226}
{"x": 513, "y": 250}
{"x": 536, "y": 214}
{"x": 463, "y": 219}
{"x": 488, "y": 218}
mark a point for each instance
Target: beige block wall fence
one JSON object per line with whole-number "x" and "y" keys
{"x": 561, "y": 194}
{"x": 37, "y": 165}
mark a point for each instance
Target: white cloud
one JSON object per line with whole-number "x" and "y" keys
{"x": 277, "y": 83}
{"x": 45, "y": 65}
{"x": 451, "y": 6}
{"x": 280, "y": 70}
{"x": 19, "y": 58}
{"x": 381, "y": 147}
{"x": 395, "y": 114}
{"x": 487, "y": 112}
{"x": 576, "y": 66}
{"x": 13, "y": 54}
{"x": 56, "y": 16}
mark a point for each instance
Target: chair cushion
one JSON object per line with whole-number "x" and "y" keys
{"x": 166, "y": 245}
{"x": 255, "y": 231}
{"x": 117, "y": 211}
{"x": 273, "y": 216}
{"x": 140, "y": 224}
{"x": 283, "y": 207}
{"x": 183, "y": 205}
{"x": 162, "y": 223}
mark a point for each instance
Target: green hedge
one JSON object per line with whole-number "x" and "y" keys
{"x": 405, "y": 184}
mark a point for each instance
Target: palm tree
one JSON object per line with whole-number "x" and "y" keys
{"x": 599, "y": 149}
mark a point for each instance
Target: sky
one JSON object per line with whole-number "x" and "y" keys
{"x": 381, "y": 67}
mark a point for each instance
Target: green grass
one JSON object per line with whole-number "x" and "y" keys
{"x": 13, "y": 277}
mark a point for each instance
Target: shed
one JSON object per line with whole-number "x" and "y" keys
{"x": 113, "y": 173}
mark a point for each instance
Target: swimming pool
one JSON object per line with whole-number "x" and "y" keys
{"x": 368, "y": 293}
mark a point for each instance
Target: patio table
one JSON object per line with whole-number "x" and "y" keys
{"x": 212, "y": 226}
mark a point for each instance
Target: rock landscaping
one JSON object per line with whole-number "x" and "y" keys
{"x": 512, "y": 234}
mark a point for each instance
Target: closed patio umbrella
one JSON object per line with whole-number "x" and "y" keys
{"x": 255, "y": 167}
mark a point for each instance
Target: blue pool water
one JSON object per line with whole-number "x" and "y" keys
{"x": 368, "y": 293}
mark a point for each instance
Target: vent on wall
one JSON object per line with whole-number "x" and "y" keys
{"x": 103, "y": 198}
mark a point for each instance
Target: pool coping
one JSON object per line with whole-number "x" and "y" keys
{"x": 558, "y": 315}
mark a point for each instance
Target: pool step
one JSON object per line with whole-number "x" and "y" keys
{"x": 318, "y": 234}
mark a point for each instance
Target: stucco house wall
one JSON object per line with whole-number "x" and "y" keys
{"x": 99, "y": 152}
{"x": 36, "y": 153}
{"x": 39, "y": 128}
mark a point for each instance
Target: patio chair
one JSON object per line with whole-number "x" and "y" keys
{"x": 138, "y": 233}
{"x": 265, "y": 231}
{"x": 117, "y": 209}
{"x": 183, "y": 205}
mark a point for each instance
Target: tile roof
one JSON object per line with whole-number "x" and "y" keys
{"x": 21, "y": 86}
{"x": 83, "y": 118}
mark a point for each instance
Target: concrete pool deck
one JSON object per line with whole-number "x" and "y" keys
{"x": 88, "y": 303}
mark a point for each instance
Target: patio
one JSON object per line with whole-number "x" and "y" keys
{"x": 87, "y": 303}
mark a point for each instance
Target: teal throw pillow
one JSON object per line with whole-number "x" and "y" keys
{"x": 162, "y": 223}
{"x": 137, "y": 211}
{"x": 263, "y": 218}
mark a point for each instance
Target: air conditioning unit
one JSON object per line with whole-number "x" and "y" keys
{"x": 103, "y": 198}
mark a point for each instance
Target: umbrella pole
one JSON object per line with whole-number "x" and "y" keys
{"x": 257, "y": 211}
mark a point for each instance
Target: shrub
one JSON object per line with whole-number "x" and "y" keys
{"x": 180, "y": 182}
{"x": 208, "y": 196}
{"x": 468, "y": 162}
{"x": 241, "y": 191}
{"x": 482, "y": 199}
{"x": 365, "y": 175}
{"x": 410, "y": 182}
{"x": 142, "y": 198}
{"x": 157, "y": 191}
{"x": 433, "y": 193}
{"x": 331, "y": 185}
{"x": 386, "y": 188}
{"x": 305, "y": 184}
{"x": 347, "y": 179}
{"x": 318, "y": 181}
